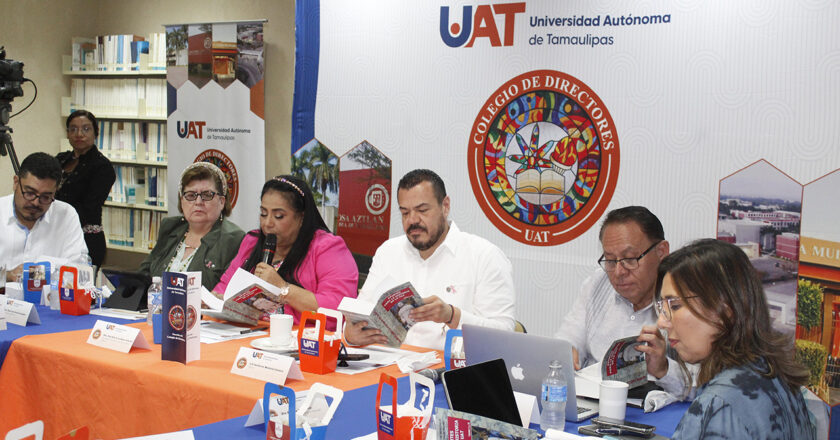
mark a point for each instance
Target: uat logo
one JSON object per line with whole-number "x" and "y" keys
{"x": 483, "y": 24}
{"x": 191, "y": 128}
{"x": 543, "y": 158}
{"x": 309, "y": 347}
{"x": 386, "y": 422}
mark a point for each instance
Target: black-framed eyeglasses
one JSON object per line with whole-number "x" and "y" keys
{"x": 666, "y": 306}
{"x": 207, "y": 196}
{"x": 631, "y": 263}
{"x": 44, "y": 199}
{"x": 86, "y": 129}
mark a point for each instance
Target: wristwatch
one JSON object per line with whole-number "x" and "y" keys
{"x": 284, "y": 290}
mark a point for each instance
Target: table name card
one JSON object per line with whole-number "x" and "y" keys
{"x": 265, "y": 366}
{"x": 116, "y": 337}
{"x": 19, "y": 312}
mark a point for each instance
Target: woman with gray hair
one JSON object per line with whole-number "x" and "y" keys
{"x": 202, "y": 239}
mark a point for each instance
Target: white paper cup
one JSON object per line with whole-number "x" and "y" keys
{"x": 281, "y": 329}
{"x": 612, "y": 399}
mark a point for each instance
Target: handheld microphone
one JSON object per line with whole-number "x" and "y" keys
{"x": 268, "y": 257}
{"x": 433, "y": 374}
{"x": 268, "y": 248}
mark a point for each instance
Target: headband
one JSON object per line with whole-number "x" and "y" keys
{"x": 280, "y": 179}
{"x": 210, "y": 167}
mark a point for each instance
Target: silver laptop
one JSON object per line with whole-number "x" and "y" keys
{"x": 527, "y": 358}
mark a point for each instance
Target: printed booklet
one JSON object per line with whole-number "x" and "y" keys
{"x": 621, "y": 362}
{"x": 247, "y": 297}
{"x": 451, "y": 424}
{"x": 390, "y": 314}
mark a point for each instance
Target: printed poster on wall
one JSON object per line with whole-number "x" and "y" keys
{"x": 364, "y": 208}
{"x": 216, "y": 111}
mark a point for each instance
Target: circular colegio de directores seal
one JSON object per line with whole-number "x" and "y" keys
{"x": 177, "y": 319}
{"x": 96, "y": 334}
{"x": 241, "y": 363}
{"x": 191, "y": 315}
{"x": 224, "y": 163}
{"x": 543, "y": 158}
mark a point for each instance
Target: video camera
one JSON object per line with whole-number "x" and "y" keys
{"x": 11, "y": 77}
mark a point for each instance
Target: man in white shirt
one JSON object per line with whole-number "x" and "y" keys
{"x": 462, "y": 278}
{"x": 617, "y": 301}
{"x": 32, "y": 223}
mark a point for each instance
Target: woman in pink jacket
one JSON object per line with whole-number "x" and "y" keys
{"x": 311, "y": 266}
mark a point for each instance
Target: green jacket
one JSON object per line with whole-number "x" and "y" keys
{"x": 217, "y": 248}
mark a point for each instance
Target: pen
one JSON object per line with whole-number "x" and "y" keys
{"x": 609, "y": 432}
{"x": 252, "y": 330}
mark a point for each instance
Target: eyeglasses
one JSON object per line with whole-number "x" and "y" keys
{"x": 44, "y": 199}
{"x": 86, "y": 129}
{"x": 207, "y": 196}
{"x": 666, "y": 306}
{"x": 631, "y": 263}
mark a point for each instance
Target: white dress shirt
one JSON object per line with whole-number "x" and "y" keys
{"x": 57, "y": 234}
{"x": 599, "y": 316}
{"x": 466, "y": 271}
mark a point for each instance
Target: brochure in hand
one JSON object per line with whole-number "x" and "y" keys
{"x": 621, "y": 362}
{"x": 624, "y": 363}
{"x": 389, "y": 314}
{"x": 466, "y": 426}
{"x": 246, "y": 298}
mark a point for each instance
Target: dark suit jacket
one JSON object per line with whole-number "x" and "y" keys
{"x": 217, "y": 248}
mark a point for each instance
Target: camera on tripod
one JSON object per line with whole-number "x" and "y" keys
{"x": 11, "y": 77}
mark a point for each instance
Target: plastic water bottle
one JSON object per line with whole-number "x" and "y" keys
{"x": 553, "y": 398}
{"x": 155, "y": 299}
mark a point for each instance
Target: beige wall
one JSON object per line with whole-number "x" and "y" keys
{"x": 38, "y": 33}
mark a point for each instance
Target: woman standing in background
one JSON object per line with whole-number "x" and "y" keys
{"x": 87, "y": 177}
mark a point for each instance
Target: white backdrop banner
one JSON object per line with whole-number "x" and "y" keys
{"x": 543, "y": 115}
{"x": 215, "y": 83}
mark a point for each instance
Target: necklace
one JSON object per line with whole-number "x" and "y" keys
{"x": 187, "y": 245}
{"x": 179, "y": 263}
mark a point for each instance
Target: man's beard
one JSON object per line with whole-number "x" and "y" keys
{"x": 426, "y": 245}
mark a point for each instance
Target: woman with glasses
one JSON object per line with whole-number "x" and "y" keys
{"x": 86, "y": 180}
{"x": 312, "y": 267}
{"x": 202, "y": 239}
{"x": 712, "y": 305}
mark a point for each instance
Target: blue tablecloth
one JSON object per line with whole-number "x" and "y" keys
{"x": 52, "y": 321}
{"x": 355, "y": 417}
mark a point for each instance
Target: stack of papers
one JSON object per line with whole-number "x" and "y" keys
{"x": 213, "y": 332}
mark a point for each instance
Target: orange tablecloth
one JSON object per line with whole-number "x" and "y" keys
{"x": 67, "y": 383}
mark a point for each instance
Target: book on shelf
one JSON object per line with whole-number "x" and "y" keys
{"x": 132, "y": 140}
{"x": 389, "y": 314}
{"x": 139, "y": 185}
{"x": 157, "y": 51}
{"x": 82, "y": 57}
{"x": 120, "y": 97}
{"x": 131, "y": 227}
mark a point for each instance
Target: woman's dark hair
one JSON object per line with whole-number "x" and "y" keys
{"x": 87, "y": 114}
{"x": 299, "y": 196}
{"x": 730, "y": 297}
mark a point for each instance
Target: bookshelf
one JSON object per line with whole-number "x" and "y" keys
{"x": 126, "y": 90}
